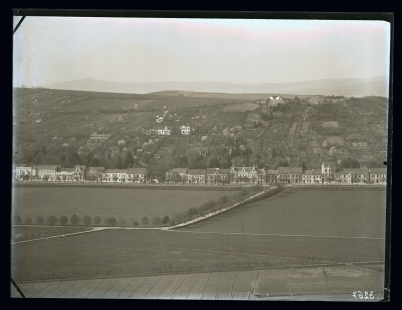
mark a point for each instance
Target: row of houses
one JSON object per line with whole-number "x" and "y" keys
{"x": 238, "y": 175}
{"x": 185, "y": 130}
{"x": 328, "y": 174}
{"x": 79, "y": 173}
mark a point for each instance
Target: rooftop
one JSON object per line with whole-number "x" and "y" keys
{"x": 353, "y": 170}
{"x": 196, "y": 171}
{"x": 313, "y": 172}
{"x": 178, "y": 170}
{"x": 116, "y": 171}
{"x": 47, "y": 167}
{"x": 378, "y": 170}
{"x": 137, "y": 170}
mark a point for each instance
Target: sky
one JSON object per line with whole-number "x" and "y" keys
{"x": 55, "y": 49}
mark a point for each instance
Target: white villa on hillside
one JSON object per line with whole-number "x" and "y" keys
{"x": 164, "y": 132}
{"x": 185, "y": 130}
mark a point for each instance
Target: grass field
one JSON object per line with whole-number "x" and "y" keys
{"x": 106, "y": 103}
{"x": 303, "y": 212}
{"x": 107, "y": 202}
{"x": 132, "y": 252}
{"x": 240, "y": 107}
{"x": 326, "y": 283}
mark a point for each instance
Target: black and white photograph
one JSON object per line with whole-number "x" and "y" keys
{"x": 201, "y": 158}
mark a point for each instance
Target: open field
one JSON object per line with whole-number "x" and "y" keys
{"x": 107, "y": 202}
{"x": 106, "y": 103}
{"x": 240, "y": 107}
{"x": 306, "y": 212}
{"x": 320, "y": 283}
{"x": 138, "y": 252}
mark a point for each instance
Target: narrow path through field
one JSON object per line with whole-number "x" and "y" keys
{"x": 64, "y": 235}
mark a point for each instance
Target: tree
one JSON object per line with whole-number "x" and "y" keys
{"x": 157, "y": 221}
{"x": 165, "y": 220}
{"x": 86, "y": 220}
{"x": 304, "y": 167}
{"x": 97, "y": 220}
{"x": 144, "y": 221}
{"x": 119, "y": 165}
{"x": 63, "y": 220}
{"x": 52, "y": 220}
{"x": 75, "y": 220}
{"x": 111, "y": 221}
{"x": 28, "y": 220}
{"x": 135, "y": 224}
{"x": 121, "y": 222}
{"x": 17, "y": 220}
{"x": 129, "y": 161}
{"x": 39, "y": 220}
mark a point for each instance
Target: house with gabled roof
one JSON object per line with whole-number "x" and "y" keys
{"x": 290, "y": 175}
{"x": 353, "y": 175}
{"x": 378, "y": 175}
{"x": 24, "y": 172}
{"x": 65, "y": 174}
{"x": 176, "y": 175}
{"x": 114, "y": 175}
{"x": 313, "y": 176}
{"x": 196, "y": 176}
{"x": 217, "y": 176}
{"x": 46, "y": 172}
{"x": 242, "y": 175}
{"x": 137, "y": 175}
{"x": 261, "y": 176}
{"x": 272, "y": 176}
{"x": 328, "y": 170}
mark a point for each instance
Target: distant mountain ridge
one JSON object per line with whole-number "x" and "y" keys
{"x": 376, "y": 86}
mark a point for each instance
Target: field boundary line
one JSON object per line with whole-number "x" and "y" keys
{"x": 275, "y": 235}
{"x": 61, "y": 236}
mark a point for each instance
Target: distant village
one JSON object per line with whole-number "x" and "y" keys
{"x": 328, "y": 174}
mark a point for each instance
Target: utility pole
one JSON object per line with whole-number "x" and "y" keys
{"x": 242, "y": 227}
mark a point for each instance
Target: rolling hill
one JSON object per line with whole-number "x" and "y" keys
{"x": 376, "y": 86}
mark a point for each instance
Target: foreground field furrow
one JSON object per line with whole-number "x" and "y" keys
{"x": 72, "y": 290}
{"x": 158, "y": 288}
{"x": 241, "y": 288}
{"x": 104, "y": 287}
{"x": 211, "y": 288}
{"x": 225, "y": 286}
{"x": 117, "y": 288}
{"x": 185, "y": 287}
{"x": 31, "y": 289}
{"x": 64, "y": 286}
{"x": 145, "y": 287}
{"x": 129, "y": 288}
{"x": 171, "y": 288}
{"x": 197, "y": 290}
{"x": 85, "y": 291}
